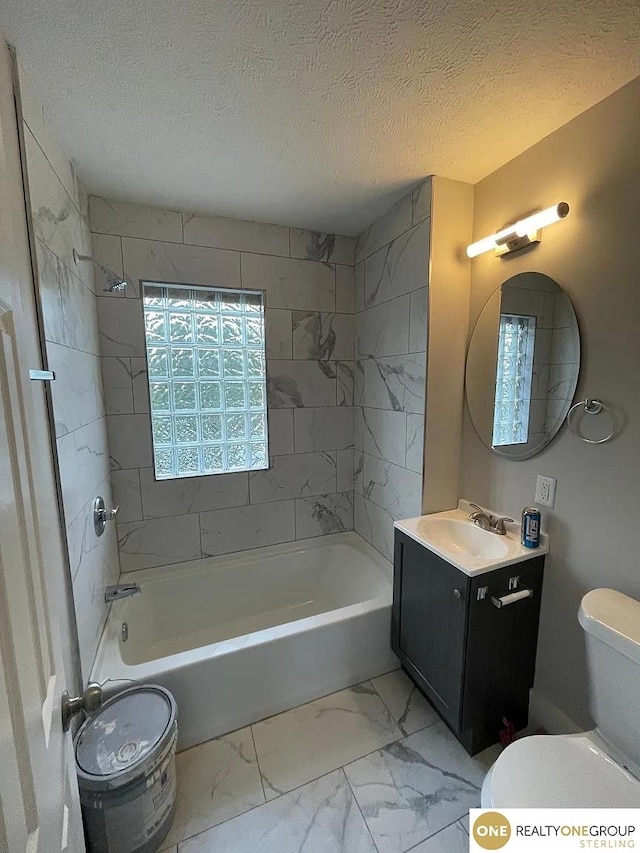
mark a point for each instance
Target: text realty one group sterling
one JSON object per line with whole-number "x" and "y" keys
{"x": 594, "y": 836}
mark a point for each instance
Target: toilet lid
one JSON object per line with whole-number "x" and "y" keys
{"x": 560, "y": 771}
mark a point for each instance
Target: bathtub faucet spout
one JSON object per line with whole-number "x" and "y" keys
{"x": 121, "y": 590}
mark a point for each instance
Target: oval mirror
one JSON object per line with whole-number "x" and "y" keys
{"x": 522, "y": 365}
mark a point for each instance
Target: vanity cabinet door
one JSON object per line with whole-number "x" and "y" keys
{"x": 430, "y": 607}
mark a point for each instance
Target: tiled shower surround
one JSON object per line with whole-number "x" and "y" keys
{"x": 311, "y": 304}
{"x": 60, "y": 223}
{"x": 308, "y": 279}
{"x": 391, "y": 278}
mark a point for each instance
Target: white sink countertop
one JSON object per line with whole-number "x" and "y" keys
{"x": 454, "y": 537}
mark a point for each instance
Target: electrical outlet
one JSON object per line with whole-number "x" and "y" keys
{"x": 545, "y": 491}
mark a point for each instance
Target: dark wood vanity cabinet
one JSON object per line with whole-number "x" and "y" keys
{"x": 474, "y": 661}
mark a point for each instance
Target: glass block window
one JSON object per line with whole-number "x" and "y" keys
{"x": 207, "y": 380}
{"x": 514, "y": 378}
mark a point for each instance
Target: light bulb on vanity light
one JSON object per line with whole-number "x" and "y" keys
{"x": 521, "y": 233}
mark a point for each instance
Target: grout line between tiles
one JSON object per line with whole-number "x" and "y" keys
{"x": 121, "y": 258}
{"x": 295, "y": 519}
{"x": 355, "y": 800}
{"x": 255, "y": 750}
{"x": 391, "y": 742}
{"x": 406, "y": 440}
{"x": 308, "y": 782}
{"x": 316, "y": 778}
{"x": 51, "y": 166}
{"x": 392, "y": 298}
{"x": 253, "y": 808}
{"x": 434, "y": 834}
{"x": 82, "y": 426}
{"x": 74, "y": 349}
{"x": 382, "y": 700}
{"x": 146, "y": 239}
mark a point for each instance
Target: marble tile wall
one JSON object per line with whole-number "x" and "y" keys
{"x": 308, "y": 279}
{"x": 59, "y": 213}
{"x": 391, "y": 303}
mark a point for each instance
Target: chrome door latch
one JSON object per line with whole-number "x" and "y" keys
{"x": 42, "y": 375}
{"x": 89, "y": 702}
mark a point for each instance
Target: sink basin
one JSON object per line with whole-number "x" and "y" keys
{"x": 464, "y": 537}
{"x": 454, "y": 537}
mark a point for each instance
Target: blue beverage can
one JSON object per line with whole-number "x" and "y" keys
{"x": 530, "y": 530}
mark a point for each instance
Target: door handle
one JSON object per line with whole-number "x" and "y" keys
{"x": 88, "y": 702}
{"x": 520, "y": 593}
{"x": 457, "y": 593}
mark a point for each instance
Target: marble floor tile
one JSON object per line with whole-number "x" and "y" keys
{"x": 216, "y": 781}
{"x": 412, "y": 789}
{"x": 452, "y": 839}
{"x": 306, "y": 742}
{"x": 464, "y": 823}
{"x": 488, "y": 756}
{"x": 320, "y": 817}
{"x": 407, "y": 705}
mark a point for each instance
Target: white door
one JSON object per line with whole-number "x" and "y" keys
{"x": 39, "y": 810}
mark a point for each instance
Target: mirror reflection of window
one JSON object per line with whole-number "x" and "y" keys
{"x": 514, "y": 377}
{"x": 543, "y": 394}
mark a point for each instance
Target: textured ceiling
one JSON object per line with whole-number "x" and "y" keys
{"x": 311, "y": 113}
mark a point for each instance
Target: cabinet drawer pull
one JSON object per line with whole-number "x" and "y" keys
{"x": 457, "y": 593}
{"x": 512, "y": 597}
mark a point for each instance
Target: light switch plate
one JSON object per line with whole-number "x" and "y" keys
{"x": 545, "y": 491}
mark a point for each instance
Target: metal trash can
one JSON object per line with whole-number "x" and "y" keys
{"x": 125, "y": 761}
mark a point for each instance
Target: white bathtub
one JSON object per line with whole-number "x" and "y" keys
{"x": 238, "y": 638}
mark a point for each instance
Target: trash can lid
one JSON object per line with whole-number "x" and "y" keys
{"x": 124, "y": 733}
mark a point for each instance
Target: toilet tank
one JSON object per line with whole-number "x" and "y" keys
{"x": 611, "y": 622}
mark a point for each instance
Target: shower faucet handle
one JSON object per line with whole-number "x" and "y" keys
{"x": 101, "y": 515}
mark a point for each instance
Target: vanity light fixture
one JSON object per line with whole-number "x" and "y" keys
{"x": 522, "y": 233}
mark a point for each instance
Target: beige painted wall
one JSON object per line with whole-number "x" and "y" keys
{"x": 449, "y": 283}
{"x": 593, "y": 163}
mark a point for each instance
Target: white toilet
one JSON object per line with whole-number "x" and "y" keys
{"x": 599, "y": 768}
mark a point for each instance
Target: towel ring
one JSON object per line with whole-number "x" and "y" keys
{"x": 591, "y": 407}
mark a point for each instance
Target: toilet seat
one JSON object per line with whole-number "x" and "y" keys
{"x": 559, "y": 771}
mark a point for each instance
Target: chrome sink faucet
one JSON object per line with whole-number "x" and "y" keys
{"x": 491, "y": 523}
{"x": 121, "y": 590}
